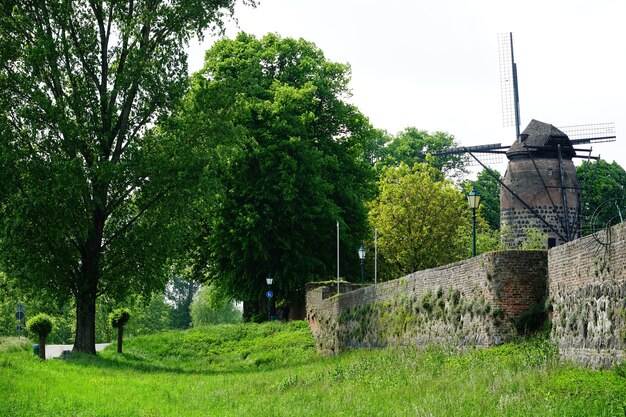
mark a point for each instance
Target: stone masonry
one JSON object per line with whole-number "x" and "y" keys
{"x": 476, "y": 302}
{"x": 468, "y": 303}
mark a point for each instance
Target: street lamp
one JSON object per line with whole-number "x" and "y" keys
{"x": 473, "y": 199}
{"x": 269, "y": 295}
{"x": 362, "y": 258}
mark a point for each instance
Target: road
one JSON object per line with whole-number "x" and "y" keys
{"x": 55, "y": 351}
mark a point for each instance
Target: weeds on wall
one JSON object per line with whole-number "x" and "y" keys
{"x": 443, "y": 314}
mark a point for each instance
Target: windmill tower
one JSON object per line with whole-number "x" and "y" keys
{"x": 540, "y": 189}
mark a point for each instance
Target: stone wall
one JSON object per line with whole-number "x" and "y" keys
{"x": 478, "y": 301}
{"x": 468, "y": 303}
{"x": 587, "y": 286}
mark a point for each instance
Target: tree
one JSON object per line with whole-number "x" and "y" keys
{"x": 411, "y": 146}
{"x": 603, "y": 199}
{"x": 41, "y": 325}
{"x": 211, "y": 306}
{"x": 93, "y": 203}
{"x": 299, "y": 167}
{"x": 421, "y": 221}
{"x": 179, "y": 293}
{"x": 118, "y": 319}
{"x": 151, "y": 314}
{"x": 489, "y": 189}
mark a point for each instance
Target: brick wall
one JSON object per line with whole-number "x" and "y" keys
{"x": 466, "y": 303}
{"x": 473, "y": 302}
{"x": 587, "y": 286}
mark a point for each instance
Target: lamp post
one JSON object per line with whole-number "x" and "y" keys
{"x": 473, "y": 199}
{"x": 269, "y": 295}
{"x": 362, "y": 258}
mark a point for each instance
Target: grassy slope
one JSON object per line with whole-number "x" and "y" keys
{"x": 273, "y": 370}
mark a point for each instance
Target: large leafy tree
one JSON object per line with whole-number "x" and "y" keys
{"x": 603, "y": 199}
{"x": 422, "y": 222}
{"x": 301, "y": 164}
{"x": 89, "y": 198}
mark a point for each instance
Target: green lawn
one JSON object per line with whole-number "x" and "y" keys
{"x": 273, "y": 370}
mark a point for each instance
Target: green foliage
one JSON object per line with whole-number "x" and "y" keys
{"x": 41, "y": 325}
{"x": 534, "y": 239}
{"x": 93, "y": 200}
{"x": 273, "y": 369}
{"x": 119, "y": 317}
{"x": 489, "y": 189}
{"x": 13, "y": 344}
{"x": 603, "y": 197}
{"x": 180, "y": 292}
{"x": 212, "y": 306}
{"x": 151, "y": 314}
{"x": 293, "y": 160}
{"x": 533, "y": 320}
{"x": 411, "y": 146}
{"x": 421, "y": 221}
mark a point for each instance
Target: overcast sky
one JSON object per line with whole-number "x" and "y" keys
{"x": 435, "y": 64}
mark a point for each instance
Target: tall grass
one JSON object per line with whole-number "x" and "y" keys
{"x": 273, "y": 370}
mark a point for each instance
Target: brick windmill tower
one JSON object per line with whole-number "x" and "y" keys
{"x": 540, "y": 189}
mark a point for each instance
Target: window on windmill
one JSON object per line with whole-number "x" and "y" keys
{"x": 549, "y": 172}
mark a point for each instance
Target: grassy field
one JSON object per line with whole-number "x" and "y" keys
{"x": 273, "y": 370}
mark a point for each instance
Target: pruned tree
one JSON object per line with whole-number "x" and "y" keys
{"x": 92, "y": 203}
{"x": 118, "y": 319}
{"x": 41, "y": 325}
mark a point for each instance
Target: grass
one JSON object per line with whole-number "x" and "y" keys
{"x": 272, "y": 369}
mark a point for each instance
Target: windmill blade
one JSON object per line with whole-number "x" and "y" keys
{"x": 508, "y": 82}
{"x": 596, "y": 133}
{"x": 492, "y": 148}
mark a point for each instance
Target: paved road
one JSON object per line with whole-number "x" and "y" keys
{"x": 55, "y": 351}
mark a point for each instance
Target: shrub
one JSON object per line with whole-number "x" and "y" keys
{"x": 41, "y": 325}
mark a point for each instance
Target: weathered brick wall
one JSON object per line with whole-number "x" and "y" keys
{"x": 587, "y": 286}
{"x": 470, "y": 302}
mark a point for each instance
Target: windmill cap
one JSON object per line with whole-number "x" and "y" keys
{"x": 541, "y": 140}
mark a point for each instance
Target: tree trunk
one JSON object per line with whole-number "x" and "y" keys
{"x": 120, "y": 332}
{"x": 85, "y": 340}
{"x": 42, "y": 348}
{"x": 91, "y": 254}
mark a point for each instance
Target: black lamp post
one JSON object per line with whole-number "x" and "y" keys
{"x": 473, "y": 199}
{"x": 362, "y": 258}
{"x": 269, "y": 294}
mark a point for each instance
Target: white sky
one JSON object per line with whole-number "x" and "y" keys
{"x": 434, "y": 64}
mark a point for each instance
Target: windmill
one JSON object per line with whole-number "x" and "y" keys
{"x": 540, "y": 188}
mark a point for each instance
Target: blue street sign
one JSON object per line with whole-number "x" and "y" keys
{"x": 269, "y": 294}
{"x": 19, "y": 315}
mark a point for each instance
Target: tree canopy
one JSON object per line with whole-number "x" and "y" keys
{"x": 412, "y": 146}
{"x": 488, "y": 187}
{"x": 422, "y": 222}
{"x": 91, "y": 203}
{"x": 603, "y": 198}
{"x": 299, "y": 165}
